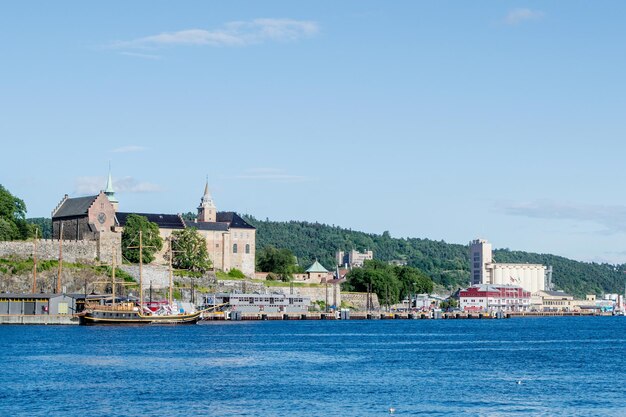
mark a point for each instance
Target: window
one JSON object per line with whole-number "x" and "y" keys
{"x": 234, "y": 248}
{"x": 217, "y": 245}
{"x": 247, "y": 248}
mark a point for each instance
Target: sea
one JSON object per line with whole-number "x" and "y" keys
{"x": 551, "y": 366}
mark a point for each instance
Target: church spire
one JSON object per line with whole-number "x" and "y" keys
{"x": 207, "y": 196}
{"x": 207, "y": 212}
{"x": 110, "y": 193}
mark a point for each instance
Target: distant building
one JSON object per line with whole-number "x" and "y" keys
{"x": 314, "y": 274}
{"x": 531, "y": 277}
{"x": 353, "y": 258}
{"x": 561, "y": 301}
{"x": 488, "y": 297}
{"x": 90, "y": 218}
{"x": 231, "y": 241}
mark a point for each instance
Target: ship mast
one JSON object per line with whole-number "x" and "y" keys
{"x": 170, "y": 292}
{"x": 140, "y": 273}
{"x": 58, "y": 289}
{"x": 113, "y": 280}
{"x": 35, "y": 264}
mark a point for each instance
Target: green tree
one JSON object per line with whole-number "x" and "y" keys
{"x": 189, "y": 216}
{"x": 381, "y": 276}
{"x": 13, "y": 225}
{"x": 278, "y": 261}
{"x": 412, "y": 281}
{"x": 190, "y": 250}
{"x": 43, "y": 224}
{"x": 449, "y": 303}
{"x": 151, "y": 241}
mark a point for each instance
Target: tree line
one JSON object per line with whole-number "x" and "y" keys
{"x": 447, "y": 264}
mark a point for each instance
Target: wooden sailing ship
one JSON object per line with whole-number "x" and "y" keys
{"x": 135, "y": 313}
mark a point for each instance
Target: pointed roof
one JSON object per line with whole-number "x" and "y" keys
{"x": 206, "y": 198}
{"x": 110, "y": 193}
{"x": 316, "y": 267}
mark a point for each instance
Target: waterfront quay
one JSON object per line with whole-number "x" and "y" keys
{"x": 221, "y": 316}
{"x": 62, "y": 319}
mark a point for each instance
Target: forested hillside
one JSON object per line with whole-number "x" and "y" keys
{"x": 446, "y": 263}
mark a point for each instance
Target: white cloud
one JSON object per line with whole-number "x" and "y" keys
{"x": 611, "y": 218}
{"x": 517, "y": 16}
{"x": 93, "y": 185}
{"x": 129, "y": 148}
{"x": 270, "y": 174}
{"x": 238, "y": 33}
{"x": 144, "y": 56}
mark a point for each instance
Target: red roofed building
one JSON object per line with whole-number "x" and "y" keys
{"x": 486, "y": 297}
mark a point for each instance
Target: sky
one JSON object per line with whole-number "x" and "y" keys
{"x": 501, "y": 120}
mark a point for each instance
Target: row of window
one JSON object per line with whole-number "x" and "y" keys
{"x": 235, "y": 248}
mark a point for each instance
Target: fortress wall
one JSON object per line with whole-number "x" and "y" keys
{"x": 359, "y": 300}
{"x": 83, "y": 251}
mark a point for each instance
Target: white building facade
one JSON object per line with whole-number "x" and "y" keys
{"x": 531, "y": 277}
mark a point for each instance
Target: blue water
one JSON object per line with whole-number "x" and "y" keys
{"x": 567, "y": 366}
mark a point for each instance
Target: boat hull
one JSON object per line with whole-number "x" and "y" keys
{"x": 96, "y": 317}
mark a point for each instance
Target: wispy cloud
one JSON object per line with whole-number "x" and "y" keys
{"x": 143, "y": 56}
{"x": 239, "y": 33}
{"x": 93, "y": 185}
{"x": 129, "y": 148}
{"x": 611, "y": 218}
{"x": 270, "y": 174}
{"x": 517, "y": 16}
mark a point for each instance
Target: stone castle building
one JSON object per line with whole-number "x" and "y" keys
{"x": 231, "y": 241}
{"x": 90, "y": 218}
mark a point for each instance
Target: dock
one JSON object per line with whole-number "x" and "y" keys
{"x": 39, "y": 319}
{"x": 241, "y": 316}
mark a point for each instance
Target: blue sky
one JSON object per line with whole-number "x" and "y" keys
{"x": 443, "y": 120}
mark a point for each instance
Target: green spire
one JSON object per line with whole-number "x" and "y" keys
{"x": 110, "y": 193}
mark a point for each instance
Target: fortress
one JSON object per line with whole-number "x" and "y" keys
{"x": 231, "y": 241}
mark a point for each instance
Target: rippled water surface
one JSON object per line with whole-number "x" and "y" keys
{"x": 564, "y": 366}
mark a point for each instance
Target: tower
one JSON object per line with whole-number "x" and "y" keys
{"x": 110, "y": 193}
{"x": 207, "y": 212}
{"x": 480, "y": 255}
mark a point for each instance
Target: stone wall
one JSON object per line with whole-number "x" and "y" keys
{"x": 109, "y": 243}
{"x": 157, "y": 274}
{"x": 82, "y": 251}
{"x": 359, "y": 300}
{"x": 74, "y": 251}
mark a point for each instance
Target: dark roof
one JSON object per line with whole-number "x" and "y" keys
{"x": 208, "y": 226}
{"x": 75, "y": 207}
{"x": 164, "y": 221}
{"x": 233, "y": 219}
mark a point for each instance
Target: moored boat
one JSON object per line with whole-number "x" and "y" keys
{"x": 128, "y": 313}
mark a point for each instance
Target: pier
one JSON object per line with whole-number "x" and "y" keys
{"x": 39, "y": 319}
{"x": 239, "y": 316}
